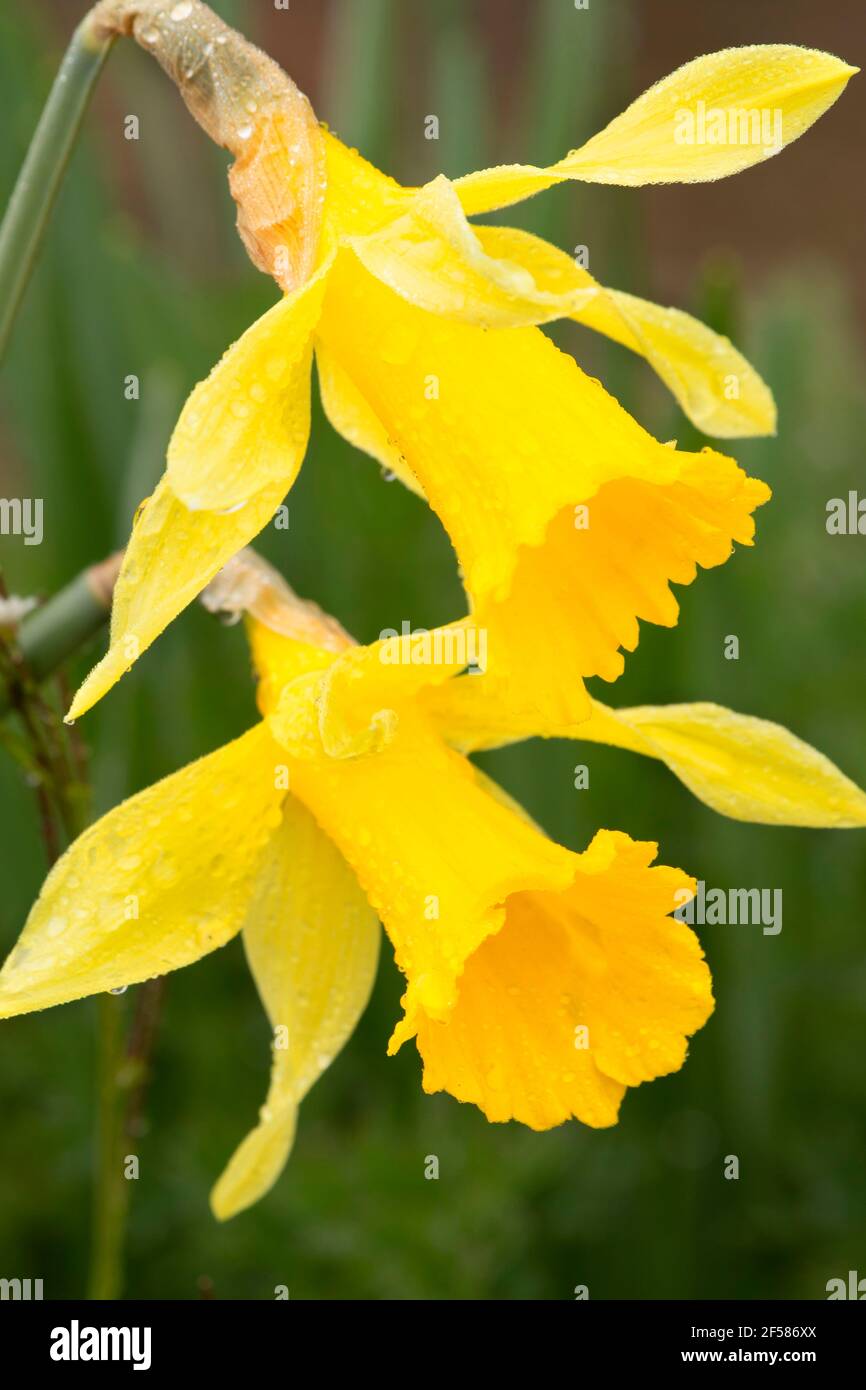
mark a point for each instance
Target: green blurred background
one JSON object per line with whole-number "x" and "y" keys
{"x": 142, "y": 273}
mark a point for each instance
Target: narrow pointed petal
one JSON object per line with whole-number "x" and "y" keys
{"x": 312, "y": 942}
{"x": 581, "y": 994}
{"x": 434, "y": 259}
{"x": 172, "y": 555}
{"x": 160, "y": 881}
{"x": 245, "y": 428}
{"x": 719, "y": 391}
{"x": 556, "y": 501}
{"x": 712, "y": 117}
{"x": 742, "y": 767}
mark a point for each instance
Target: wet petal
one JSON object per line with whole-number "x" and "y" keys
{"x": 312, "y": 942}
{"x": 157, "y": 883}
{"x": 366, "y": 688}
{"x": 712, "y": 117}
{"x": 172, "y": 555}
{"x": 740, "y": 766}
{"x": 359, "y": 196}
{"x": 719, "y": 391}
{"x": 352, "y": 417}
{"x": 245, "y": 428}
{"x": 433, "y": 257}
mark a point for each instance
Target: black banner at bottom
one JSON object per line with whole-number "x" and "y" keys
{"x": 83, "y": 1339}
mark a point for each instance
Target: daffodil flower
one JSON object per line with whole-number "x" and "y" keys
{"x": 540, "y": 983}
{"x": 429, "y": 357}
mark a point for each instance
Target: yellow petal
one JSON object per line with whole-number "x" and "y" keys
{"x": 593, "y": 585}
{"x": 172, "y": 554}
{"x": 581, "y": 993}
{"x": 351, "y": 697}
{"x": 359, "y": 197}
{"x": 246, "y": 426}
{"x": 712, "y": 117}
{"x": 476, "y": 713}
{"x": 719, "y": 391}
{"x": 742, "y": 767}
{"x": 517, "y": 450}
{"x": 312, "y": 942}
{"x": 157, "y": 883}
{"x": 352, "y": 417}
{"x": 433, "y": 257}
{"x": 366, "y": 688}
{"x": 435, "y": 854}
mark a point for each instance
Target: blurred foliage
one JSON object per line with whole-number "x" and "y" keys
{"x": 776, "y": 1077}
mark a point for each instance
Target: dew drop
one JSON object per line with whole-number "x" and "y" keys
{"x": 244, "y": 132}
{"x": 276, "y": 368}
{"x": 182, "y": 11}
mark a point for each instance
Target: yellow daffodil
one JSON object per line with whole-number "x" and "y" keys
{"x": 429, "y": 358}
{"x": 541, "y": 983}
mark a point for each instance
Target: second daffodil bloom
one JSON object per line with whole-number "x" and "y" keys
{"x": 430, "y": 358}
{"x": 540, "y": 983}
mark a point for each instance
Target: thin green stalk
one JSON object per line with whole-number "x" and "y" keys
{"x": 124, "y": 1075}
{"x": 110, "y": 1204}
{"x": 42, "y": 173}
{"x": 45, "y": 640}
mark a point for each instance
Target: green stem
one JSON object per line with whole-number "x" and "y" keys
{"x": 43, "y": 169}
{"x": 110, "y": 1199}
{"x": 56, "y": 631}
{"x": 125, "y": 1068}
